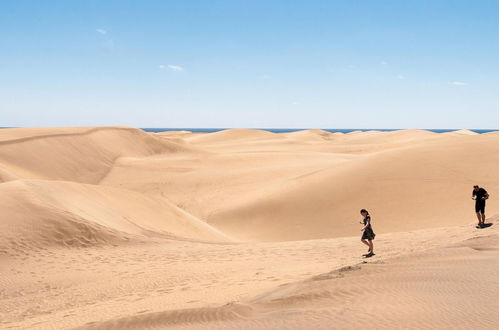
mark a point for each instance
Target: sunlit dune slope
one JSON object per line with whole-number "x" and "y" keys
{"x": 73, "y": 154}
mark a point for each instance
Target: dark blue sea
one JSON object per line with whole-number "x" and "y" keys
{"x": 287, "y": 130}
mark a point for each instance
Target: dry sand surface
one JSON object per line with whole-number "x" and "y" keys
{"x": 116, "y": 228}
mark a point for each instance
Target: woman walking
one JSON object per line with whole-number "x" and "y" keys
{"x": 367, "y": 233}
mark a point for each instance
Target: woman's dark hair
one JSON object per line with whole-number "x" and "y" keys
{"x": 364, "y": 211}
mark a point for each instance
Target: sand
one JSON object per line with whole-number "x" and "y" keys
{"x": 113, "y": 227}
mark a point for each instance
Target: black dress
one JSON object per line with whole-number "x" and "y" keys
{"x": 368, "y": 233}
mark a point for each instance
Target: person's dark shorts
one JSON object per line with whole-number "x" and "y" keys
{"x": 480, "y": 206}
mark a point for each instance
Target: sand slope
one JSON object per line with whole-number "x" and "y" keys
{"x": 420, "y": 186}
{"x": 46, "y": 213}
{"x": 442, "y": 287}
{"x": 73, "y": 154}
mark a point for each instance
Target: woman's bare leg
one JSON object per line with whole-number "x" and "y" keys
{"x": 366, "y": 243}
{"x": 371, "y": 246}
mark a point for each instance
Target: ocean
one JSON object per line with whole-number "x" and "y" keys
{"x": 332, "y": 130}
{"x": 288, "y": 130}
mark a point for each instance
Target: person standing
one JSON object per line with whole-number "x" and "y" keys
{"x": 367, "y": 233}
{"x": 480, "y": 195}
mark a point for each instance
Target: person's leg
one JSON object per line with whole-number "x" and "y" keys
{"x": 371, "y": 247}
{"x": 364, "y": 241}
{"x": 479, "y": 216}
{"x": 482, "y": 213}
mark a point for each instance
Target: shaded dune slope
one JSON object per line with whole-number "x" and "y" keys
{"x": 55, "y": 213}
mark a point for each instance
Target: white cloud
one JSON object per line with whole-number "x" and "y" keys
{"x": 175, "y": 67}
{"x": 459, "y": 83}
{"x": 171, "y": 67}
{"x": 401, "y": 77}
{"x": 101, "y": 31}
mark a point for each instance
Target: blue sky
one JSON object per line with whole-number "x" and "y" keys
{"x": 281, "y": 64}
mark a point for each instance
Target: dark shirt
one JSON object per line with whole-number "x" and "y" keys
{"x": 367, "y": 221}
{"x": 480, "y": 194}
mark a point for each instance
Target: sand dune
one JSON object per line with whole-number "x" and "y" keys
{"x": 113, "y": 227}
{"x": 461, "y": 132}
{"x": 441, "y": 287}
{"x": 233, "y": 135}
{"x": 310, "y": 135}
{"x": 409, "y": 179}
{"x": 418, "y": 187}
{"x": 46, "y": 213}
{"x": 5, "y": 175}
{"x": 401, "y": 136}
{"x": 80, "y": 154}
{"x": 419, "y": 291}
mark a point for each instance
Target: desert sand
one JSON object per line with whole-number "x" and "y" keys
{"x": 116, "y": 228}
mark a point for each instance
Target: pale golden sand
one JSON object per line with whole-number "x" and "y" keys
{"x": 118, "y": 228}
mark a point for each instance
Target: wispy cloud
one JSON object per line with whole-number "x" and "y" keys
{"x": 101, "y": 31}
{"x": 175, "y": 67}
{"x": 401, "y": 76}
{"x": 459, "y": 83}
{"x": 171, "y": 67}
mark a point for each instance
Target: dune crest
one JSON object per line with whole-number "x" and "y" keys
{"x": 310, "y": 135}
{"x": 462, "y": 132}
